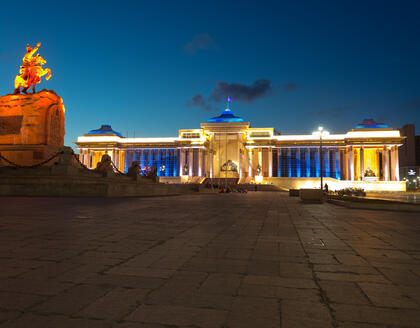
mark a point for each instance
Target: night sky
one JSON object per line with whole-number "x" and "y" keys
{"x": 153, "y": 67}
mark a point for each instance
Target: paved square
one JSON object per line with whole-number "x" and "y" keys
{"x": 260, "y": 259}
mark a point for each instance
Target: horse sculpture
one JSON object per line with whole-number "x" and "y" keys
{"x": 31, "y": 71}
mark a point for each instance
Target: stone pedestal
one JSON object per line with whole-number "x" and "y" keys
{"x": 31, "y": 127}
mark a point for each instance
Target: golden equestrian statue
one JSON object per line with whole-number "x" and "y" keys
{"x": 31, "y": 71}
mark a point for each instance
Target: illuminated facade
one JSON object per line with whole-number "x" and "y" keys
{"x": 227, "y": 147}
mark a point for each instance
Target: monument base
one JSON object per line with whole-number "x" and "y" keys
{"x": 31, "y": 127}
{"x": 66, "y": 177}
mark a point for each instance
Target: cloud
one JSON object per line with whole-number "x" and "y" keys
{"x": 241, "y": 92}
{"x": 198, "y": 101}
{"x": 291, "y": 86}
{"x": 200, "y": 42}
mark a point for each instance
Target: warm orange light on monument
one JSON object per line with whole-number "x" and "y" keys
{"x": 31, "y": 70}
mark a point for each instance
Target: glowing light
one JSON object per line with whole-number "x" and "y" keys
{"x": 321, "y": 133}
{"x": 125, "y": 140}
{"x": 373, "y": 134}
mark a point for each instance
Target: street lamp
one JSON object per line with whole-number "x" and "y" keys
{"x": 321, "y": 133}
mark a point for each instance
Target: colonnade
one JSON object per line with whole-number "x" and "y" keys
{"x": 345, "y": 163}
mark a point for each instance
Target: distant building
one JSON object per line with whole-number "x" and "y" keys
{"x": 226, "y": 147}
{"x": 409, "y": 154}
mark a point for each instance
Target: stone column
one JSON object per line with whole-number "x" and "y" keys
{"x": 289, "y": 157}
{"x": 181, "y": 161}
{"x": 210, "y": 152}
{"x": 270, "y": 162}
{"x": 394, "y": 164}
{"x": 121, "y": 161}
{"x": 200, "y": 163}
{"x": 240, "y": 163}
{"x": 344, "y": 163}
{"x": 116, "y": 158}
{"x": 318, "y": 163}
{"x": 190, "y": 162}
{"x": 385, "y": 166}
{"x": 351, "y": 164}
{"x": 298, "y": 162}
{"x": 150, "y": 164}
{"x": 260, "y": 160}
{"x": 338, "y": 160}
{"x": 250, "y": 163}
{"x": 362, "y": 164}
{"x": 397, "y": 165}
{"x": 308, "y": 162}
{"x": 327, "y": 162}
{"x": 279, "y": 158}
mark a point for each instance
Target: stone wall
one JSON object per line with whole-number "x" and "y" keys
{"x": 334, "y": 184}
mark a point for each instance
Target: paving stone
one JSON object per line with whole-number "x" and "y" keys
{"x": 358, "y": 325}
{"x": 71, "y": 300}
{"x": 115, "y": 304}
{"x": 53, "y": 321}
{"x": 387, "y": 295}
{"x": 305, "y": 314}
{"x": 6, "y": 315}
{"x": 178, "y": 316}
{"x": 125, "y": 281}
{"x": 279, "y": 281}
{"x": 221, "y": 284}
{"x": 401, "y": 276}
{"x": 350, "y": 259}
{"x": 323, "y": 259}
{"x": 19, "y": 301}
{"x": 339, "y": 276}
{"x": 344, "y": 292}
{"x": 142, "y": 272}
{"x": 183, "y": 295}
{"x": 377, "y": 315}
{"x": 254, "y": 312}
{"x": 139, "y": 325}
{"x": 297, "y": 270}
{"x": 310, "y": 295}
{"x": 341, "y": 268}
{"x": 34, "y": 286}
{"x": 235, "y": 260}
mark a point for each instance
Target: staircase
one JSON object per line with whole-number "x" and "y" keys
{"x": 221, "y": 181}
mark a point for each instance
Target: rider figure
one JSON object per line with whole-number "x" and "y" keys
{"x": 26, "y": 72}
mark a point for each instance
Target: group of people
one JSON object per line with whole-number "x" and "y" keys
{"x": 228, "y": 189}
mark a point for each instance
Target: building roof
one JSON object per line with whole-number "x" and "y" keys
{"x": 226, "y": 117}
{"x": 370, "y": 123}
{"x": 104, "y": 130}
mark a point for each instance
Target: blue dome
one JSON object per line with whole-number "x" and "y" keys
{"x": 104, "y": 130}
{"x": 370, "y": 123}
{"x": 226, "y": 117}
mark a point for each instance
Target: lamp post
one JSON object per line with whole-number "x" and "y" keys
{"x": 321, "y": 133}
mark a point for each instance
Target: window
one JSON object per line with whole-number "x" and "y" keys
{"x": 190, "y": 135}
{"x": 260, "y": 134}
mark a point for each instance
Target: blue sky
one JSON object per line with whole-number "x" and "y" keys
{"x": 153, "y": 67}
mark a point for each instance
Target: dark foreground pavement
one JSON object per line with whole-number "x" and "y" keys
{"x": 225, "y": 260}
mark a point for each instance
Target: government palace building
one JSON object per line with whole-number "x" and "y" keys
{"x": 227, "y": 147}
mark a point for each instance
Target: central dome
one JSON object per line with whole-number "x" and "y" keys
{"x": 226, "y": 117}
